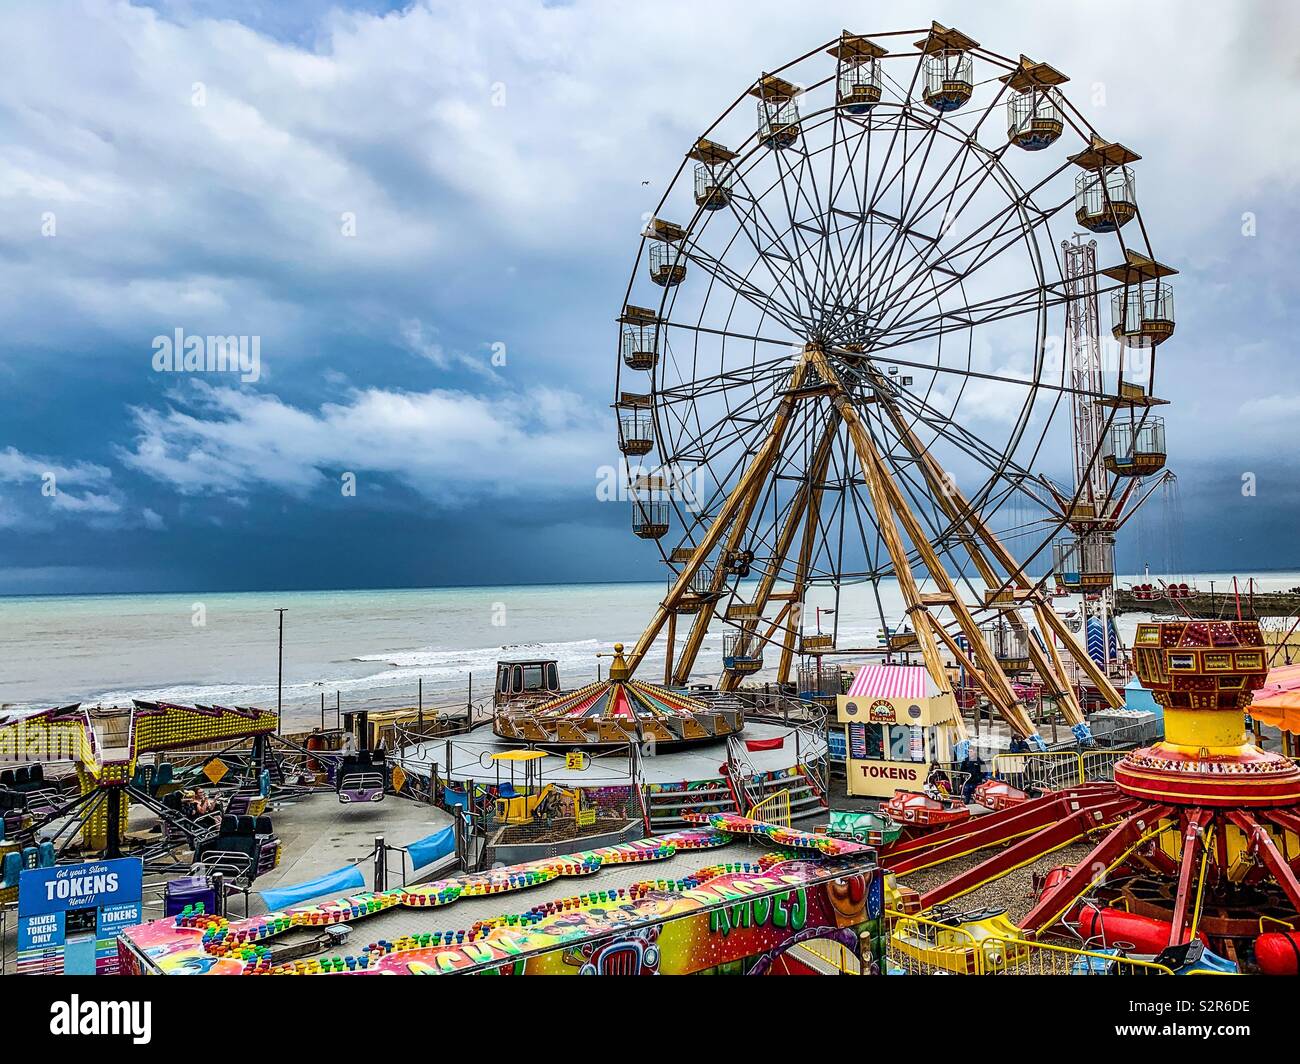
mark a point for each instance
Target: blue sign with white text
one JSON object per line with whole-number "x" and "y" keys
{"x": 91, "y": 884}
{"x": 69, "y": 916}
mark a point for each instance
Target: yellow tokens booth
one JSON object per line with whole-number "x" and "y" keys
{"x": 896, "y": 725}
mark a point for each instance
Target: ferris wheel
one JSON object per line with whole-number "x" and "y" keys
{"x": 844, "y": 354}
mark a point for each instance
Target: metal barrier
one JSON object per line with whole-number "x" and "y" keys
{"x": 1056, "y": 769}
{"x": 1052, "y": 770}
{"x": 1098, "y": 766}
{"x": 774, "y": 809}
{"x": 917, "y": 945}
{"x": 1042, "y": 958}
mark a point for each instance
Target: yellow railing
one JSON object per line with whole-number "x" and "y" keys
{"x": 774, "y": 809}
{"x": 921, "y": 946}
{"x": 1043, "y": 958}
{"x": 836, "y": 954}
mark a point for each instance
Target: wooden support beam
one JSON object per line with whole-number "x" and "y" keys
{"x": 885, "y": 519}
{"x": 755, "y": 472}
{"x": 955, "y": 505}
{"x": 1060, "y": 677}
{"x": 668, "y": 652}
{"x": 887, "y": 497}
{"x": 739, "y": 526}
{"x": 800, "y": 589}
{"x": 798, "y": 507}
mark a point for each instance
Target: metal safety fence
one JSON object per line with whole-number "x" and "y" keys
{"x": 917, "y": 945}
{"x": 1054, "y": 770}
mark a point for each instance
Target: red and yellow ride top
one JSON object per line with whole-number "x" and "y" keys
{"x": 1203, "y": 674}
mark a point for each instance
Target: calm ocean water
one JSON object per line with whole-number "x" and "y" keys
{"x": 369, "y": 646}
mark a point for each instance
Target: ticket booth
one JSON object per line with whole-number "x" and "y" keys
{"x": 896, "y": 726}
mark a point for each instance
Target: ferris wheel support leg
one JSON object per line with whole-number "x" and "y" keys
{"x": 739, "y": 524}
{"x": 740, "y": 494}
{"x": 668, "y": 651}
{"x": 889, "y": 503}
{"x": 810, "y": 529}
{"x": 955, "y": 505}
{"x": 806, "y": 504}
{"x": 1073, "y": 711}
{"x": 1017, "y": 717}
{"x": 887, "y": 524}
{"x": 1093, "y": 671}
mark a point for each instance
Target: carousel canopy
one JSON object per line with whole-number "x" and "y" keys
{"x": 617, "y": 710}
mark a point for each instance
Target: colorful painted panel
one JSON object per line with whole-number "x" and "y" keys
{"x": 730, "y": 916}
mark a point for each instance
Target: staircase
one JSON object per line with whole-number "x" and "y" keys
{"x": 666, "y": 807}
{"x": 805, "y": 799}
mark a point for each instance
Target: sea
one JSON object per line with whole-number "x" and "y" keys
{"x": 374, "y": 649}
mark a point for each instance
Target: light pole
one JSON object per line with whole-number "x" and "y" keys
{"x": 279, "y": 675}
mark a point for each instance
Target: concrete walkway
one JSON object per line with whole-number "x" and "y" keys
{"x": 318, "y": 834}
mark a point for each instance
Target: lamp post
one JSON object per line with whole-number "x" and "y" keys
{"x": 279, "y": 675}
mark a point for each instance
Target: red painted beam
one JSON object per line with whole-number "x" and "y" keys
{"x": 988, "y": 830}
{"x": 1268, "y": 852}
{"x": 1193, "y": 844}
{"x": 1283, "y": 818}
{"x": 999, "y": 826}
{"x": 1059, "y": 898}
{"x": 1287, "y": 821}
{"x": 1054, "y": 835}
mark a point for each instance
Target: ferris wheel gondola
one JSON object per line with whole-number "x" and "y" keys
{"x": 850, "y": 363}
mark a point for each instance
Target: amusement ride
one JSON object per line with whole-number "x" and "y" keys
{"x": 864, "y": 318}
{"x": 838, "y": 365}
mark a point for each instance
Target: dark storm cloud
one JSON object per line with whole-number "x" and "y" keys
{"x": 475, "y": 225}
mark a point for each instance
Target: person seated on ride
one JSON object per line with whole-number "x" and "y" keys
{"x": 937, "y": 785}
{"x": 1018, "y": 745}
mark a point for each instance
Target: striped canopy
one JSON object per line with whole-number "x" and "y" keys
{"x": 616, "y": 710}
{"x": 892, "y": 681}
{"x": 621, "y": 699}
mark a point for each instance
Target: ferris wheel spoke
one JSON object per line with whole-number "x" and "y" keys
{"x": 799, "y": 233}
{"x": 904, "y": 221}
{"x": 969, "y": 443}
{"x": 768, "y": 242}
{"x": 913, "y": 230}
{"x": 1020, "y": 204}
{"x": 965, "y": 316}
{"x": 1031, "y": 217}
{"x": 727, "y": 428}
{"x": 909, "y": 299}
{"x": 769, "y": 303}
{"x": 851, "y": 276}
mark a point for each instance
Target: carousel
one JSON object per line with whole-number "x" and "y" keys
{"x": 616, "y": 711}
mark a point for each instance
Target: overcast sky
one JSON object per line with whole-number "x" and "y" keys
{"x": 343, "y": 182}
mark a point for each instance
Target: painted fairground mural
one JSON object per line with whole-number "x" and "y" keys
{"x": 738, "y": 915}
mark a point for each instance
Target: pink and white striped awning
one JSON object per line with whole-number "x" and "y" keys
{"x": 890, "y": 681}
